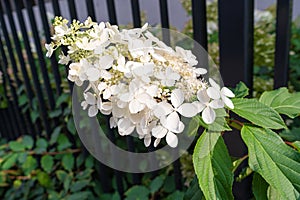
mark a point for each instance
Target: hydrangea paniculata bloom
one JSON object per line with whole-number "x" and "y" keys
{"x": 143, "y": 84}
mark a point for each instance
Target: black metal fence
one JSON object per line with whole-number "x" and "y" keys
{"x": 236, "y": 60}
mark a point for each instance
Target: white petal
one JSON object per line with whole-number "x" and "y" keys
{"x": 162, "y": 109}
{"x": 102, "y": 86}
{"x": 228, "y": 102}
{"x": 93, "y": 74}
{"x": 200, "y": 71}
{"x": 214, "y": 84}
{"x": 147, "y": 140}
{"x": 217, "y": 103}
{"x": 188, "y": 110}
{"x": 156, "y": 142}
{"x": 105, "y": 74}
{"x": 172, "y": 121}
{"x": 90, "y": 98}
{"x": 106, "y": 62}
{"x": 135, "y": 106}
{"x": 106, "y": 108}
{"x": 159, "y": 131}
{"x": 177, "y": 98}
{"x": 213, "y": 93}
{"x": 208, "y": 115}
{"x": 126, "y": 97}
{"x": 93, "y": 110}
{"x": 125, "y": 127}
{"x": 200, "y": 106}
{"x": 202, "y": 96}
{"x": 225, "y": 91}
{"x": 152, "y": 90}
{"x": 106, "y": 93}
{"x": 84, "y": 105}
{"x": 172, "y": 139}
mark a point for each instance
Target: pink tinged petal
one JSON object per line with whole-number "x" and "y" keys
{"x": 214, "y": 84}
{"x": 177, "y": 98}
{"x": 93, "y": 110}
{"x": 93, "y": 74}
{"x": 228, "y": 102}
{"x": 213, "y": 93}
{"x": 159, "y": 131}
{"x": 90, "y": 98}
{"x": 200, "y": 106}
{"x": 188, "y": 110}
{"x": 226, "y": 92}
{"x": 208, "y": 115}
{"x": 162, "y": 109}
{"x": 203, "y": 97}
{"x": 135, "y": 106}
{"x": 84, "y": 105}
{"x": 147, "y": 140}
{"x": 172, "y": 139}
{"x": 156, "y": 142}
{"x": 217, "y": 103}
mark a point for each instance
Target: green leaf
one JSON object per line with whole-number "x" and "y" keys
{"x": 29, "y": 165}
{"x": 273, "y": 194}
{"x": 34, "y": 114}
{"x": 47, "y": 163}
{"x": 169, "y": 184}
{"x": 63, "y": 142}
{"x": 213, "y": 166}
{"x": 41, "y": 145}
{"x": 61, "y": 99}
{"x": 16, "y": 146}
{"x": 282, "y": 101}
{"x": 193, "y": 126}
{"x": 55, "y": 135}
{"x": 10, "y": 161}
{"x": 44, "y": 179}
{"x": 194, "y": 192}
{"x": 79, "y": 185}
{"x": 64, "y": 178}
{"x": 137, "y": 192}
{"x": 241, "y": 90}
{"x": 79, "y": 196}
{"x": 156, "y": 184}
{"x": 291, "y": 135}
{"x": 68, "y": 161}
{"x": 259, "y": 187}
{"x": 276, "y": 162}
{"x": 258, "y": 113}
{"x": 71, "y": 126}
{"x": 297, "y": 145}
{"x": 177, "y": 195}
{"x": 27, "y": 142}
{"x": 55, "y": 113}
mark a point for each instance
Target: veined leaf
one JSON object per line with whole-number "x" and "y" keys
{"x": 291, "y": 135}
{"x": 277, "y": 163}
{"x": 213, "y": 166}
{"x": 259, "y": 187}
{"x": 282, "y": 101}
{"x": 194, "y": 192}
{"x": 241, "y": 90}
{"x": 258, "y": 113}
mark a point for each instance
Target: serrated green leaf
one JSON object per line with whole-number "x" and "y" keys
{"x": 156, "y": 184}
{"x": 194, "y": 192}
{"x": 27, "y": 142}
{"x": 47, "y": 163}
{"x": 16, "y": 146}
{"x": 10, "y": 161}
{"x": 259, "y": 187}
{"x": 137, "y": 192}
{"x": 282, "y": 101}
{"x": 277, "y": 163}
{"x": 29, "y": 165}
{"x": 273, "y": 194}
{"x": 68, "y": 161}
{"x": 291, "y": 135}
{"x": 213, "y": 166}
{"x": 241, "y": 90}
{"x": 258, "y": 113}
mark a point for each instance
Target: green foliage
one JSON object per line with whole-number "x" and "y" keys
{"x": 213, "y": 166}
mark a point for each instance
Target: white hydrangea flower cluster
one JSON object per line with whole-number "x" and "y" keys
{"x": 138, "y": 80}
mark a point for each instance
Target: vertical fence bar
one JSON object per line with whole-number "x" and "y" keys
{"x": 54, "y": 64}
{"x": 56, "y": 7}
{"x": 4, "y": 128}
{"x": 18, "y": 47}
{"x": 199, "y": 22}
{"x": 90, "y": 9}
{"x": 8, "y": 124}
{"x": 282, "y": 49}
{"x": 164, "y": 18}
{"x": 42, "y": 63}
{"x": 112, "y": 12}
{"x": 236, "y": 59}
{"x": 72, "y": 9}
{"x": 135, "y": 9}
{"x": 38, "y": 89}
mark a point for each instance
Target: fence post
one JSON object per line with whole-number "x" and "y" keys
{"x": 236, "y": 58}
